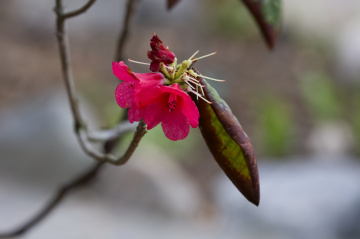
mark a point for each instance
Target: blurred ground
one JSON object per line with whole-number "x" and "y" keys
{"x": 299, "y": 104}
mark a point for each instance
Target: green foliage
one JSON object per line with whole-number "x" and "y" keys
{"x": 276, "y": 126}
{"x": 356, "y": 122}
{"x": 271, "y": 10}
{"x": 232, "y": 19}
{"x": 320, "y": 95}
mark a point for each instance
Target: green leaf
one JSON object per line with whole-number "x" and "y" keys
{"x": 228, "y": 143}
{"x": 267, "y": 14}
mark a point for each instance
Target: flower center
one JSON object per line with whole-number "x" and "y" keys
{"x": 172, "y": 102}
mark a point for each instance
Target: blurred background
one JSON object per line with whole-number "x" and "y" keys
{"x": 299, "y": 104}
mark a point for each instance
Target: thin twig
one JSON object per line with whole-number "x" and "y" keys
{"x": 81, "y": 180}
{"x": 80, "y": 10}
{"x": 110, "y": 134}
{"x": 130, "y": 9}
{"x": 104, "y": 157}
{"x": 64, "y": 50}
{"x": 80, "y": 125}
{"x": 80, "y": 129}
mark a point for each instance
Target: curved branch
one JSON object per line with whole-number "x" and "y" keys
{"x": 109, "y": 158}
{"x": 64, "y": 51}
{"x": 110, "y": 134}
{"x": 80, "y": 10}
{"x": 79, "y": 123}
{"x": 83, "y": 135}
{"x": 79, "y": 181}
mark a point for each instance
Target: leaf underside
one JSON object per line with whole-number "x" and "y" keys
{"x": 267, "y": 14}
{"x": 228, "y": 143}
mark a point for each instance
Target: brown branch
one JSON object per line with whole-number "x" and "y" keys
{"x": 79, "y": 181}
{"x": 105, "y": 157}
{"x": 64, "y": 51}
{"x": 83, "y": 135}
{"x": 80, "y": 125}
{"x": 130, "y": 9}
{"x": 110, "y": 134}
{"x": 80, "y": 10}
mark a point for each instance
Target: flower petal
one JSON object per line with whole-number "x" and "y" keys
{"x": 150, "y": 78}
{"x": 188, "y": 106}
{"x": 123, "y": 72}
{"x": 190, "y": 110}
{"x": 124, "y": 94}
{"x": 153, "y": 114}
{"x": 135, "y": 114}
{"x": 175, "y": 125}
{"x": 145, "y": 96}
{"x": 148, "y": 95}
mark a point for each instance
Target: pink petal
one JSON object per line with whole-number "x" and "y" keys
{"x": 190, "y": 111}
{"x": 175, "y": 125}
{"x": 124, "y": 94}
{"x": 175, "y": 122}
{"x": 145, "y": 96}
{"x": 123, "y": 72}
{"x": 135, "y": 114}
{"x": 152, "y": 78}
{"x": 187, "y": 106}
{"x": 148, "y": 95}
{"x": 153, "y": 114}
{"x": 147, "y": 89}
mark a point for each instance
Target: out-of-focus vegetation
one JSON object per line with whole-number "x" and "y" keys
{"x": 321, "y": 96}
{"x": 232, "y": 19}
{"x": 355, "y": 121}
{"x": 275, "y": 126}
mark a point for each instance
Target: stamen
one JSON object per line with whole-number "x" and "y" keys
{"x": 172, "y": 102}
{"x": 202, "y": 91}
{"x": 189, "y": 84}
{"x": 193, "y": 80}
{"x": 209, "y": 78}
{"x": 200, "y": 96}
{"x": 201, "y": 57}
{"x": 196, "y": 52}
{"x": 197, "y": 94}
{"x": 170, "y": 68}
{"x": 139, "y": 62}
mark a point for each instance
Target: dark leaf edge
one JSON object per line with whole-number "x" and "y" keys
{"x": 269, "y": 27}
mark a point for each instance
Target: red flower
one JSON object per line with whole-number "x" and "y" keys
{"x": 124, "y": 92}
{"x": 170, "y": 106}
{"x": 159, "y": 53}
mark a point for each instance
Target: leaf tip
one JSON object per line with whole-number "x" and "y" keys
{"x": 171, "y": 4}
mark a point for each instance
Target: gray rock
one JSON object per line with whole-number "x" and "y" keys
{"x": 37, "y": 141}
{"x": 299, "y": 199}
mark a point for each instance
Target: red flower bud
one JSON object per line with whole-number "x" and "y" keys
{"x": 159, "y": 53}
